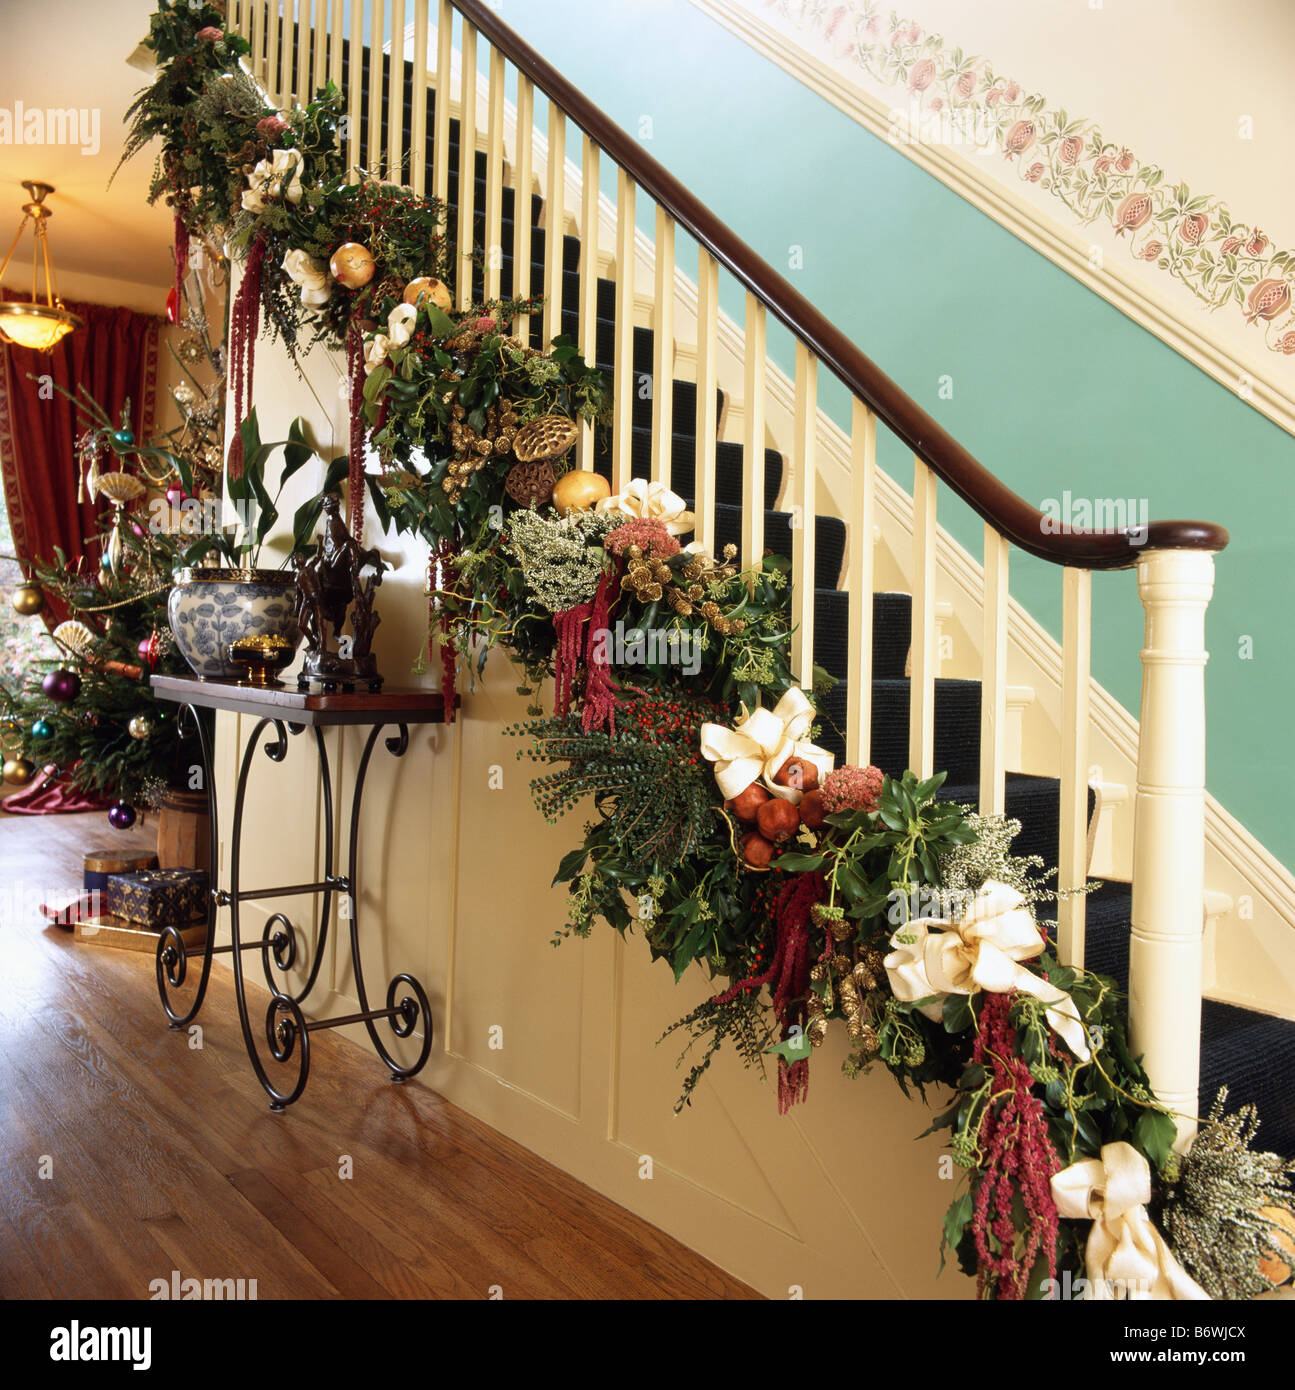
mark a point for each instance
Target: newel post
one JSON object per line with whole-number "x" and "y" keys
{"x": 1169, "y": 829}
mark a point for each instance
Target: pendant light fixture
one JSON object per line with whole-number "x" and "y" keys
{"x": 32, "y": 324}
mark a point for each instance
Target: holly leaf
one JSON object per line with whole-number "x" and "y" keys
{"x": 570, "y": 865}
{"x": 799, "y": 863}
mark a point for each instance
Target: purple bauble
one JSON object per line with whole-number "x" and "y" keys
{"x": 121, "y": 816}
{"x": 62, "y": 686}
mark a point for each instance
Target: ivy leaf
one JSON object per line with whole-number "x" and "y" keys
{"x": 794, "y": 1048}
{"x": 955, "y": 1223}
{"x": 957, "y": 1013}
{"x": 799, "y": 863}
{"x": 1154, "y": 1134}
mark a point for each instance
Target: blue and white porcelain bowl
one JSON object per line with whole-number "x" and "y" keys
{"x": 211, "y": 608}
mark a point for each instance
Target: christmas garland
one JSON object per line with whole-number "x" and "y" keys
{"x": 815, "y": 896}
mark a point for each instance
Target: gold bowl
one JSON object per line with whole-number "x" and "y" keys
{"x": 261, "y": 656}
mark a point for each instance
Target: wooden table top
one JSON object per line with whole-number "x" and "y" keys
{"x": 391, "y": 705}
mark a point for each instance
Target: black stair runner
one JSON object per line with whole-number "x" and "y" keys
{"x": 1251, "y": 1053}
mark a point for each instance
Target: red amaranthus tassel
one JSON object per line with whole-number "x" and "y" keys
{"x": 244, "y": 323}
{"x": 1018, "y": 1160}
{"x": 787, "y": 976}
{"x": 600, "y": 690}
{"x": 181, "y": 259}
{"x": 359, "y": 430}
{"x": 439, "y": 575}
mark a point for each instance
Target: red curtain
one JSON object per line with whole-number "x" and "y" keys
{"x": 114, "y": 356}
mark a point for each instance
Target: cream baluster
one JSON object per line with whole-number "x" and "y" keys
{"x": 863, "y": 545}
{"x": 287, "y": 50}
{"x": 663, "y": 351}
{"x": 1165, "y": 951}
{"x": 355, "y": 83}
{"x": 467, "y": 162}
{"x": 374, "y": 60}
{"x": 755, "y": 349}
{"x": 260, "y": 14}
{"x": 623, "y": 391}
{"x": 803, "y": 532}
{"x": 495, "y": 175}
{"x": 418, "y": 116}
{"x": 993, "y": 677}
{"x": 396, "y": 95}
{"x": 707, "y": 380}
{"x": 523, "y": 179}
{"x": 301, "y": 65}
{"x": 270, "y": 73}
{"x": 555, "y": 223}
{"x": 335, "y": 44}
{"x": 588, "y": 282}
{"x": 1072, "y": 848}
{"x": 921, "y": 694}
{"x": 319, "y": 40}
{"x": 444, "y": 69}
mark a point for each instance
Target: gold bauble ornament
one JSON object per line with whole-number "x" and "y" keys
{"x": 426, "y": 289}
{"x": 352, "y": 265}
{"x": 28, "y": 598}
{"x": 580, "y": 491}
{"x": 19, "y": 771}
{"x": 139, "y": 727}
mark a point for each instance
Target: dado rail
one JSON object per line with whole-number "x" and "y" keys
{"x": 462, "y": 52}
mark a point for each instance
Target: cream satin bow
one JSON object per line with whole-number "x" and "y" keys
{"x": 307, "y": 272}
{"x": 280, "y": 174}
{"x": 982, "y": 951}
{"x": 400, "y": 328}
{"x": 1125, "y": 1253}
{"x": 758, "y": 745}
{"x": 652, "y": 502}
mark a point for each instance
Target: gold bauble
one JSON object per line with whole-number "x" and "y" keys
{"x": 28, "y": 598}
{"x": 352, "y": 265}
{"x": 1276, "y": 1265}
{"x": 19, "y": 771}
{"x": 426, "y": 289}
{"x": 580, "y": 491}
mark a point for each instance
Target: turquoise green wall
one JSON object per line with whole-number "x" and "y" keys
{"x": 1052, "y": 388}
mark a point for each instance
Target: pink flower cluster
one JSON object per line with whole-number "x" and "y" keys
{"x": 851, "y": 788}
{"x": 211, "y": 34}
{"x": 271, "y": 125}
{"x": 650, "y": 536}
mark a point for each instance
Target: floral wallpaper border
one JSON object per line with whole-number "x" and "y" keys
{"x": 1225, "y": 263}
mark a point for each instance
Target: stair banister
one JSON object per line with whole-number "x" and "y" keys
{"x": 1174, "y": 559}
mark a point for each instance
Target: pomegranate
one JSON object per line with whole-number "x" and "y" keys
{"x": 756, "y": 850}
{"x": 1132, "y": 213}
{"x": 1231, "y": 246}
{"x": 797, "y": 774}
{"x": 1192, "y": 228}
{"x": 966, "y": 83}
{"x": 1268, "y": 299}
{"x": 922, "y": 76}
{"x": 1019, "y": 139}
{"x": 1071, "y": 148}
{"x": 1286, "y": 344}
{"x": 1151, "y": 250}
{"x": 1257, "y": 243}
{"x": 747, "y": 803}
{"x": 812, "y": 811}
{"x": 1035, "y": 173}
{"x": 778, "y": 820}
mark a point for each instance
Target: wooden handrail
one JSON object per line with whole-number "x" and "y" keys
{"x": 1009, "y": 514}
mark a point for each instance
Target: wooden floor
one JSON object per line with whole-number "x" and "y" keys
{"x": 125, "y": 1155}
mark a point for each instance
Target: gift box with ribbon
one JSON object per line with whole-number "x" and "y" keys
{"x": 159, "y": 897}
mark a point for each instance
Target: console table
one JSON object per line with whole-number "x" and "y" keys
{"x": 284, "y": 712}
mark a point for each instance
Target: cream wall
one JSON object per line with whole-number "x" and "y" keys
{"x": 834, "y": 1200}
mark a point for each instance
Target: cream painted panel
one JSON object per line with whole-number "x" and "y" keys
{"x": 505, "y": 973}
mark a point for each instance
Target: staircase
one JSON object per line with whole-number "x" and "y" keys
{"x": 955, "y": 712}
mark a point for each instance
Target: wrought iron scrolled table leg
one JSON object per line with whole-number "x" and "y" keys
{"x": 171, "y": 951}
{"x": 405, "y": 1015}
{"x": 286, "y": 1029}
{"x": 276, "y": 752}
